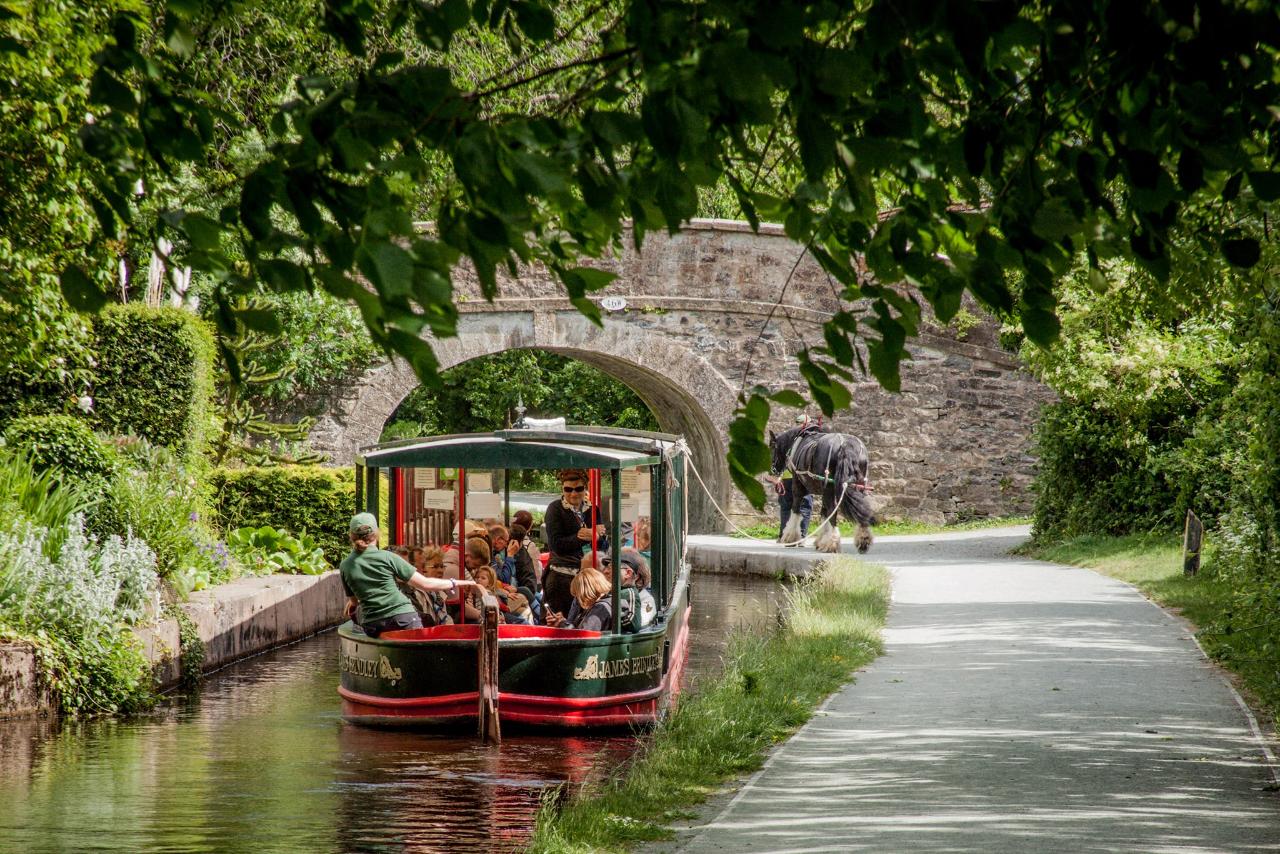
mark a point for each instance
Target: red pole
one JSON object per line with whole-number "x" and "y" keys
{"x": 593, "y": 487}
{"x": 462, "y": 540}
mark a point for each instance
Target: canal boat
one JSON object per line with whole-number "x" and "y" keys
{"x": 425, "y": 490}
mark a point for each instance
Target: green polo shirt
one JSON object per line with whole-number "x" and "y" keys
{"x": 370, "y": 576}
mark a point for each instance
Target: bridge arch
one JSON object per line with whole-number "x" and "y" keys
{"x": 684, "y": 392}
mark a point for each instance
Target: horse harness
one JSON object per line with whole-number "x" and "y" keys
{"x": 825, "y": 478}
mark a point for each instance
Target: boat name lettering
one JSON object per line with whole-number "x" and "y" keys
{"x": 375, "y": 669}
{"x": 610, "y": 668}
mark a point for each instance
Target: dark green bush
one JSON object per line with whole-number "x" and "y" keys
{"x": 1097, "y": 474}
{"x": 63, "y": 443}
{"x": 298, "y": 499}
{"x": 154, "y": 376}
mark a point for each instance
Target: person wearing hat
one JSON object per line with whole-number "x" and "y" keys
{"x": 638, "y": 605}
{"x": 785, "y": 488}
{"x": 369, "y": 576}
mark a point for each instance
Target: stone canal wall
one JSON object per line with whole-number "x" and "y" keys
{"x": 233, "y": 621}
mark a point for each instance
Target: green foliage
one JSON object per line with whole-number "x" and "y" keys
{"x": 481, "y": 395}
{"x": 296, "y": 499}
{"x": 158, "y": 496}
{"x": 109, "y": 677}
{"x": 46, "y": 201}
{"x": 247, "y": 434}
{"x": 191, "y": 649}
{"x": 155, "y": 375}
{"x": 322, "y": 341}
{"x": 724, "y": 729}
{"x": 1022, "y": 138}
{"x": 63, "y": 444}
{"x": 43, "y": 497}
{"x": 265, "y": 550}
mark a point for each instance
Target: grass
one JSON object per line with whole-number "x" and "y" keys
{"x": 1153, "y": 564}
{"x": 770, "y": 686}
{"x": 891, "y": 527}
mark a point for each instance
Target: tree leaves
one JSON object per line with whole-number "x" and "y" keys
{"x": 985, "y": 151}
{"x": 79, "y": 292}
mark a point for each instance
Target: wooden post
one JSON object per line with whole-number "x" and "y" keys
{"x": 487, "y": 670}
{"x": 1192, "y": 537}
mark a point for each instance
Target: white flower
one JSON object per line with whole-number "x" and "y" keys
{"x": 89, "y": 118}
{"x": 85, "y": 403}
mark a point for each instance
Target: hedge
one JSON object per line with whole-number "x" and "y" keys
{"x": 299, "y": 499}
{"x": 64, "y": 443}
{"x": 154, "y": 376}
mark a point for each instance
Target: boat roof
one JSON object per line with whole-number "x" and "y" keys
{"x": 576, "y": 446}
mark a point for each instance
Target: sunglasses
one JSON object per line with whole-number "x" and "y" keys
{"x": 575, "y": 489}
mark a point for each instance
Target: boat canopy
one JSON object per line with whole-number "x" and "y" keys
{"x": 573, "y": 447}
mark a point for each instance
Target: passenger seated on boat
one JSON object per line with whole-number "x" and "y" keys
{"x": 524, "y": 519}
{"x": 569, "y": 523}
{"x": 526, "y": 575}
{"x": 429, "y": 561}
{"x": 592, "y": 608}
{"x": 515, "y": 604}
{"x": 369, "y": 576}
{"x": 638, "y": 605}
{"x": 513, "y": 607}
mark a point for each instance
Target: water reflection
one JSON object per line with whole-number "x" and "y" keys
{"x": 261, "y": 761}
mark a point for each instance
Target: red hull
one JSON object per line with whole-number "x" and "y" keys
{"x": 637, "y": 709}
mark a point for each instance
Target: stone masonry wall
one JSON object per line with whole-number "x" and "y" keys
{"x": 703, "y": 320}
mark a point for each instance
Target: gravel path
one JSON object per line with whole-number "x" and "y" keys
{"x": 1019, "y": 706}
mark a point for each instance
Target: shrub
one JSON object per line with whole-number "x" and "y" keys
{"x": 1097, "y": 475}
{"x": 297, "y": 499}
{"x": 157, "y": 497}
{"x": 266, "y": 550}
{"x": 154, "y": 376}
{"x": 41, "y": 497}
{"x": 62, "y": 443}
{"x": 74, "y": 607}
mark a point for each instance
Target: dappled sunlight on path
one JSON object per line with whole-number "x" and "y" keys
{"x": 1019, "y": 706}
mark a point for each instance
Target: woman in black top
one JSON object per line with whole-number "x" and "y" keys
{"x": 568, "y": 525}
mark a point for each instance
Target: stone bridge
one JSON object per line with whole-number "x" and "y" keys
{"x": 953, "y": 444}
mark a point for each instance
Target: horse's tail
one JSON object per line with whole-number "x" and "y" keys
{"x": 850, "y": 477}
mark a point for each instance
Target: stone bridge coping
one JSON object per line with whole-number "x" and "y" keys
{"x": 756, "y": 308}
{"x": 770, "y": 229}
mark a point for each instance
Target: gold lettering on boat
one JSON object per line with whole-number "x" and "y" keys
{"x": 611, "y": 668}
{"x": 379, "y": 668}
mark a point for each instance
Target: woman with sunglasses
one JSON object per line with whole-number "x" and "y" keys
{"x": 568, "y": 524}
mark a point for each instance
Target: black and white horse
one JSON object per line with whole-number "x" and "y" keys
{"x": 833, "y": 465}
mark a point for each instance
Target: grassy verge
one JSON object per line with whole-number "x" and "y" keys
{"x": 769, "y": 687}
{"x": 1153, "y": 564}
{"x": 890, "y": 527}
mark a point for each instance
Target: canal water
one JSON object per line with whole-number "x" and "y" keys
{"x": 261, "y": 761}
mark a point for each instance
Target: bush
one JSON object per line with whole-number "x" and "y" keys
{"x": 62, "y": 443}
{"x": 1097, "y": 475}
{"x": 154, "y": 376}
{"x": 157, "y": 497}
{"x": 297, "y": 499}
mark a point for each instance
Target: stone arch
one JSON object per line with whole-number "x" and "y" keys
{"x": 686, "y": 394}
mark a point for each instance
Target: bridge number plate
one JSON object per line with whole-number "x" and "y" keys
{"x": 613, "y": 303}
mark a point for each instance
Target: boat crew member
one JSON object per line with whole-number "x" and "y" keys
{"x": 369, "y": 576}
{"x": 568, "y": 525}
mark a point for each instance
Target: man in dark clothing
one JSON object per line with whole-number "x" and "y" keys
{"x": 568, "y": 524}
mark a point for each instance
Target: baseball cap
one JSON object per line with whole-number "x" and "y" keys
{"x": 363, "y": 523}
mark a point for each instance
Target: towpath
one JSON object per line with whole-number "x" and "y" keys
{"x": 1019, "y": 706}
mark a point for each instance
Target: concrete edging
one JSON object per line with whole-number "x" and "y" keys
{"x": 234, "y": 621}
{"x": 795, "y": 563}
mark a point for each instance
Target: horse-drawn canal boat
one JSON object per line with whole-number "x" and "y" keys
{"x": 545, "y": 676}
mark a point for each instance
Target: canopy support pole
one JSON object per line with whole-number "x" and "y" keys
{"x": 615, "y": 547}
